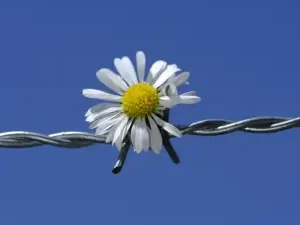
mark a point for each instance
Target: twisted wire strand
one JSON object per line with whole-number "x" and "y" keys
{"x": 211, "y": 127}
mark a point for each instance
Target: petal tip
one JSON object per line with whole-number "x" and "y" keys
{"x": 140, "y": 53}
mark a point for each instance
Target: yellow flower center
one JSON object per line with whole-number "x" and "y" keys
{"x": 140, "y": 100}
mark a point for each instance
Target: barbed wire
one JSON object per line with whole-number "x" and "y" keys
{"x": 211, "y": 127}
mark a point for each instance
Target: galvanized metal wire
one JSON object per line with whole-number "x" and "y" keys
{"x": 211, "y": 127}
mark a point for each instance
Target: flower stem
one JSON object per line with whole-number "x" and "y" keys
{"x": 166, "y": 140}
{"x": 122, "y": 157}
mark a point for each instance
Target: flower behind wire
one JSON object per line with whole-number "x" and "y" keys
{"x": 139, "y": 104}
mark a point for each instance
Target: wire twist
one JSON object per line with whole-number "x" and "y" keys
{"x": 211, "y": 127}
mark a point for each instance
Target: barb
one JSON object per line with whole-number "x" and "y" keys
{"x": 22, "y": 139}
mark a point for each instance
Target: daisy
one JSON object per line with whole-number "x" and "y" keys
{"x": 135, "y": 110}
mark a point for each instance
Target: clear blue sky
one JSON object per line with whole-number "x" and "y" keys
{"x": 244, "y": 62}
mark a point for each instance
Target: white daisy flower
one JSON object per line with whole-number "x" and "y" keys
{"x": 140, "y": 102}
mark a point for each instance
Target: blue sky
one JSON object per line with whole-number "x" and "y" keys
{"x": 244, "y": 62}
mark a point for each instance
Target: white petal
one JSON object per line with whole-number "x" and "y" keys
{"x": 145, "y": 136}
{"x": 119, "y": 143}
{"x": 120, "y": 128}
{"x": 111, "y": 134}
{"x": 168, "y": 89}
{"x": 130, "y": 69}
{"x": 171, "y": 69}
{"x": 92, "y": 93}
{"x": 105, "y": 125}
{"x": 191, "y": 93}
{"x": 172, "y": 97}
{"x": 123, "y": 71}
{"x": 133, "y": 136}
{"x": 126, "y": 129}
{"x": 155, "y": 71}
{"x": 141, "y": 65}
{"x": 102, "y": 113}
{"x": 168, "y": 82}
{"x": 171, "y": 91}
{"x": 112, "y": 81}
{"x": 188, "y": 99}
{"x": 139, "y": 136}
{"x": 162, "y": 91}
{"x": 167, "y": 126}
{"x": 112, "y": 131}
{"x": 168, "y": 102}
{"x": 176, "y": 80}
{"x": 181, "y": 78}
{"x": 155, "y": 137}
{"x": 99, "y": 120}
{"x": 99, "y": 107}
